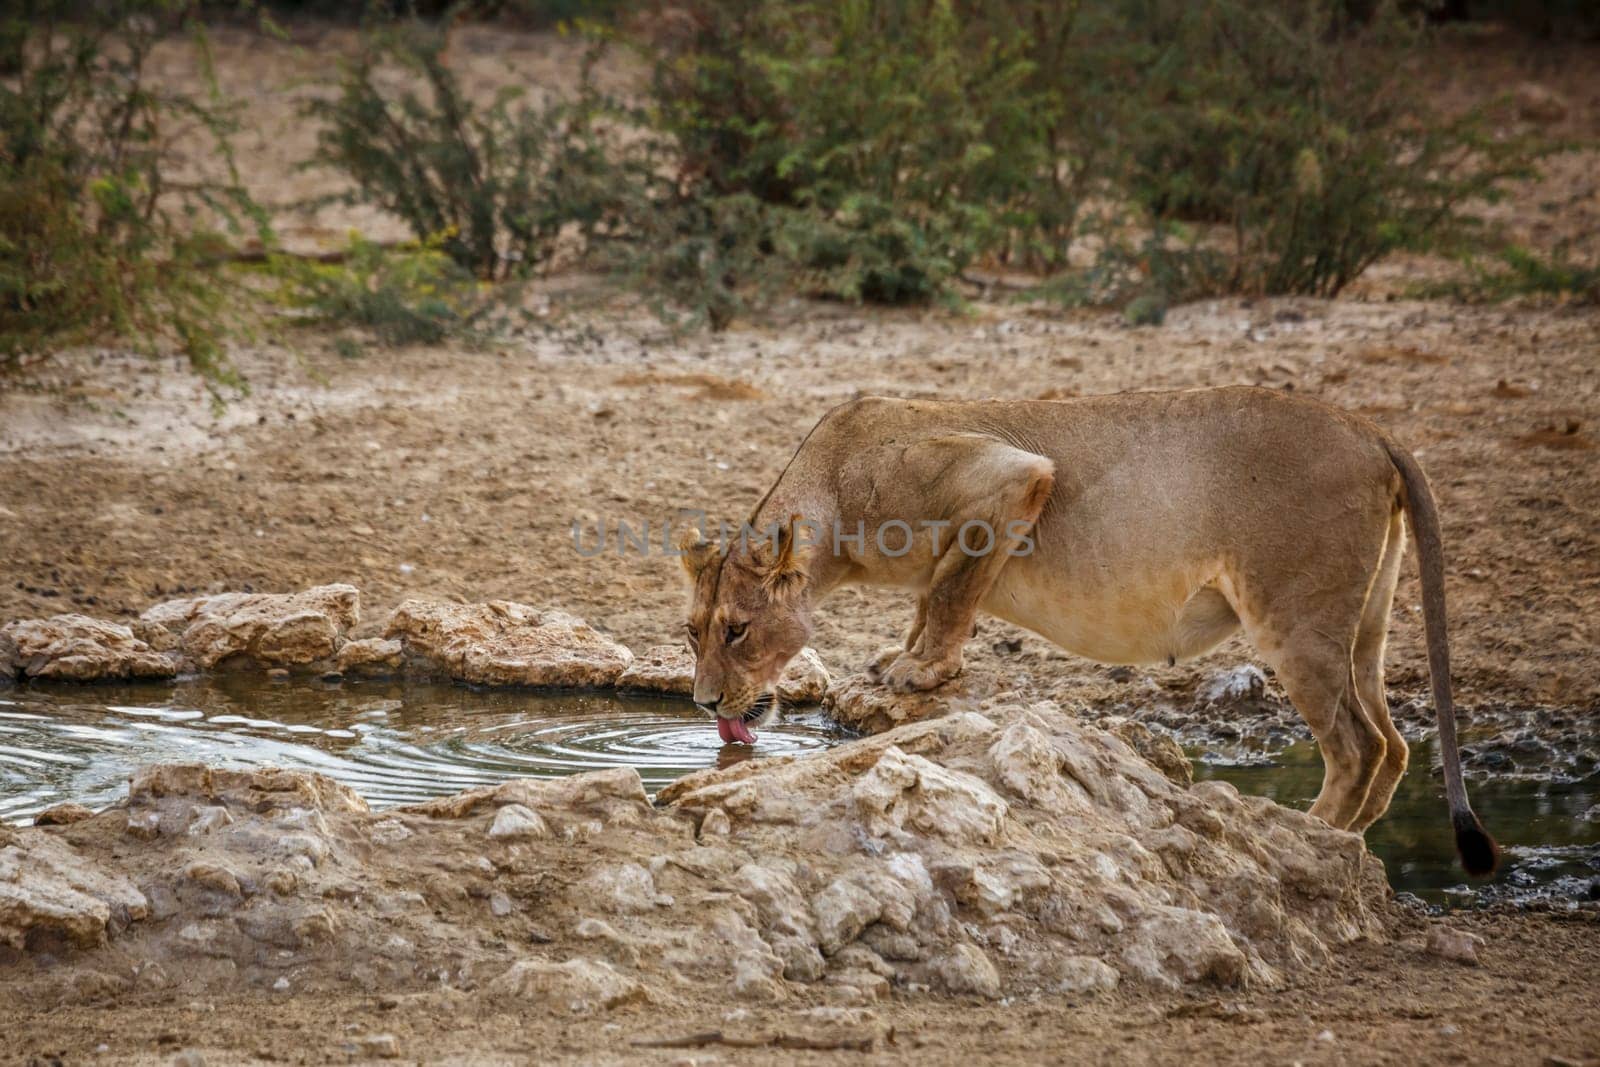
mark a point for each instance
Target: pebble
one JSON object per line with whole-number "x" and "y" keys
{"x": 378, "y": 1046}
{"x": 1449, "y": 943}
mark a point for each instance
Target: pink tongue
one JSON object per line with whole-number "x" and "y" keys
{"x": 735, "y": 730}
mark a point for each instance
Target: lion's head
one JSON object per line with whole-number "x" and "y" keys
{"x": 749, "y": 615}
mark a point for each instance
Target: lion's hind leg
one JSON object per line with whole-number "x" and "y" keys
{"x": 1368, "y": 661}
{"x": 1307, "y": 629}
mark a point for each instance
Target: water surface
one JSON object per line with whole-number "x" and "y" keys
{"x": 1548, "y": 826}
{"x": 393, "y": 743}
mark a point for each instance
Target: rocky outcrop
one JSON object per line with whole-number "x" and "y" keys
{"x": 669, "y": 669}
{"x": 258, "y": 629}
{"x": 505, "y": 643}
{"x": 1005, "y": 852}
{"x": 76, "y": 648}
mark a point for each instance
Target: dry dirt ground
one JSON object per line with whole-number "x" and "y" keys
{"x": 450, "y": 473}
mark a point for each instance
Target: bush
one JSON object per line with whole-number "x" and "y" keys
{"x": 415, "y": 294}
{"x": 1215, "y": 146}
{"x": 505, "y": 183}
{"x": 1296, "y": 130}
{"x": 97, "y": 236}
{"x": 890, "y": 147}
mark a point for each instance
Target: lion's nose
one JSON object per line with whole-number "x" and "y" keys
{"x": 710, "y": 705}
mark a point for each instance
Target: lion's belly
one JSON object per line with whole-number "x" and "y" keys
{"x": 1129, "y": 615}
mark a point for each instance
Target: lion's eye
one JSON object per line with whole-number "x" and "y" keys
{"x": 694, "y": 640}
{"x": 735, "y": 633}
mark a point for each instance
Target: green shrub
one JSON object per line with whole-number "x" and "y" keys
{"x": 890, "y": 147}
{"x": 415, "y": 294}
{"x": 1197, "y": 147}
{"x": 97, "y": 237}
{"x": 1298, "y": 132}
{"x": 1515, "y": 272}
{"x": 506, "y": 183}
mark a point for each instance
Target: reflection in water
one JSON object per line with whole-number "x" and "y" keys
{"x": 1552, "y": 848}
{"x": 392, "y": 743}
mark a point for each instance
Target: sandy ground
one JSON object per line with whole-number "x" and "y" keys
{"x": 451, "y": 473}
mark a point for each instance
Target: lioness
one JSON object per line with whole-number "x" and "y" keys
{"x": 1134, "y": 528}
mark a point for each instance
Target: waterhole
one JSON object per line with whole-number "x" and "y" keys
{"x": 397, "y": 743}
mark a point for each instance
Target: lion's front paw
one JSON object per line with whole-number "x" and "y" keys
{"x": 881, "y": 662}
{"x": 910, "y": 675}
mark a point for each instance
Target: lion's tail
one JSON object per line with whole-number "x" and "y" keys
{"x": 1479, "y": 853}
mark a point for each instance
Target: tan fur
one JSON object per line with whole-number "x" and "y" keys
{"x": 1161, "y": 524}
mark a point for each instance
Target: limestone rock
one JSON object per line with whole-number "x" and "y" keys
{"x": 374, "y": 657}
{"x": 505, "y": 643}
{"x": 260, "y": 629}
{"x": 263, "y": 790}
{"x": 577, "y": 986}
{"x": 805, "y": 680}
{"x": 516, "y": 821}
{"x": 62, "y": 815}
{"x": 47, "y": 889}
{"x": 10, "y": 658}
{"x": 1448, "y": 943}
{"x": 669, "y": 669}
{"x": 863, "y": 704}
{"x": 1015, "y": 852}
{"x": 666, "y": 669}
{"x": 76, "y": 648}
{"x": 1234, "y": 687}
{"x": 1165, "y": 754}
{"x": 967, "y": 970}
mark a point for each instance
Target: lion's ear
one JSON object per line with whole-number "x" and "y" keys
{"x": 696, "y": 552}
{"x": 783, "y": 560}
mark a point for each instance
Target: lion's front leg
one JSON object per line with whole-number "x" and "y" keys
{"x": 1008, "y": 491}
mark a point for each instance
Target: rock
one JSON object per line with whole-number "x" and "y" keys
{"x": 504, "y": 643}
{"x": 965, "y": 969}
{"x": 1235, "y": 687}
{"x": 805, "y": 680}
{"x": 49, "y": 891}
{"x": 1082, "y": 974}
{"x": 62, "y": 815}
{"x": 374, "y": 657}
{"x": 260, "y": 629}
{"x": 214, "y": 877}
{"x": 10, "y": 659}
{"x": 377, "y": 1046}
{"x": 1172, "y": 946}
{"x": 903, "y": 791}
{"x": 1536, "y": 103}
{"x": 577, "y": 986}
{"x": 1165, "y": 754}
{"x": 516, "y": 821}
{"x": 262, "y": 790}
{"x": 1448, "y": 943}
{"x": 623, "y": 888}
{"x": 669, "y": 669}
{"x": 76, "y": 648}
{"x": 862, "y": 704}
{"x": 1016, "y": 852}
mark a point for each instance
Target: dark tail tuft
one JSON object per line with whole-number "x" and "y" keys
{"x": 1479, "y": 854}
